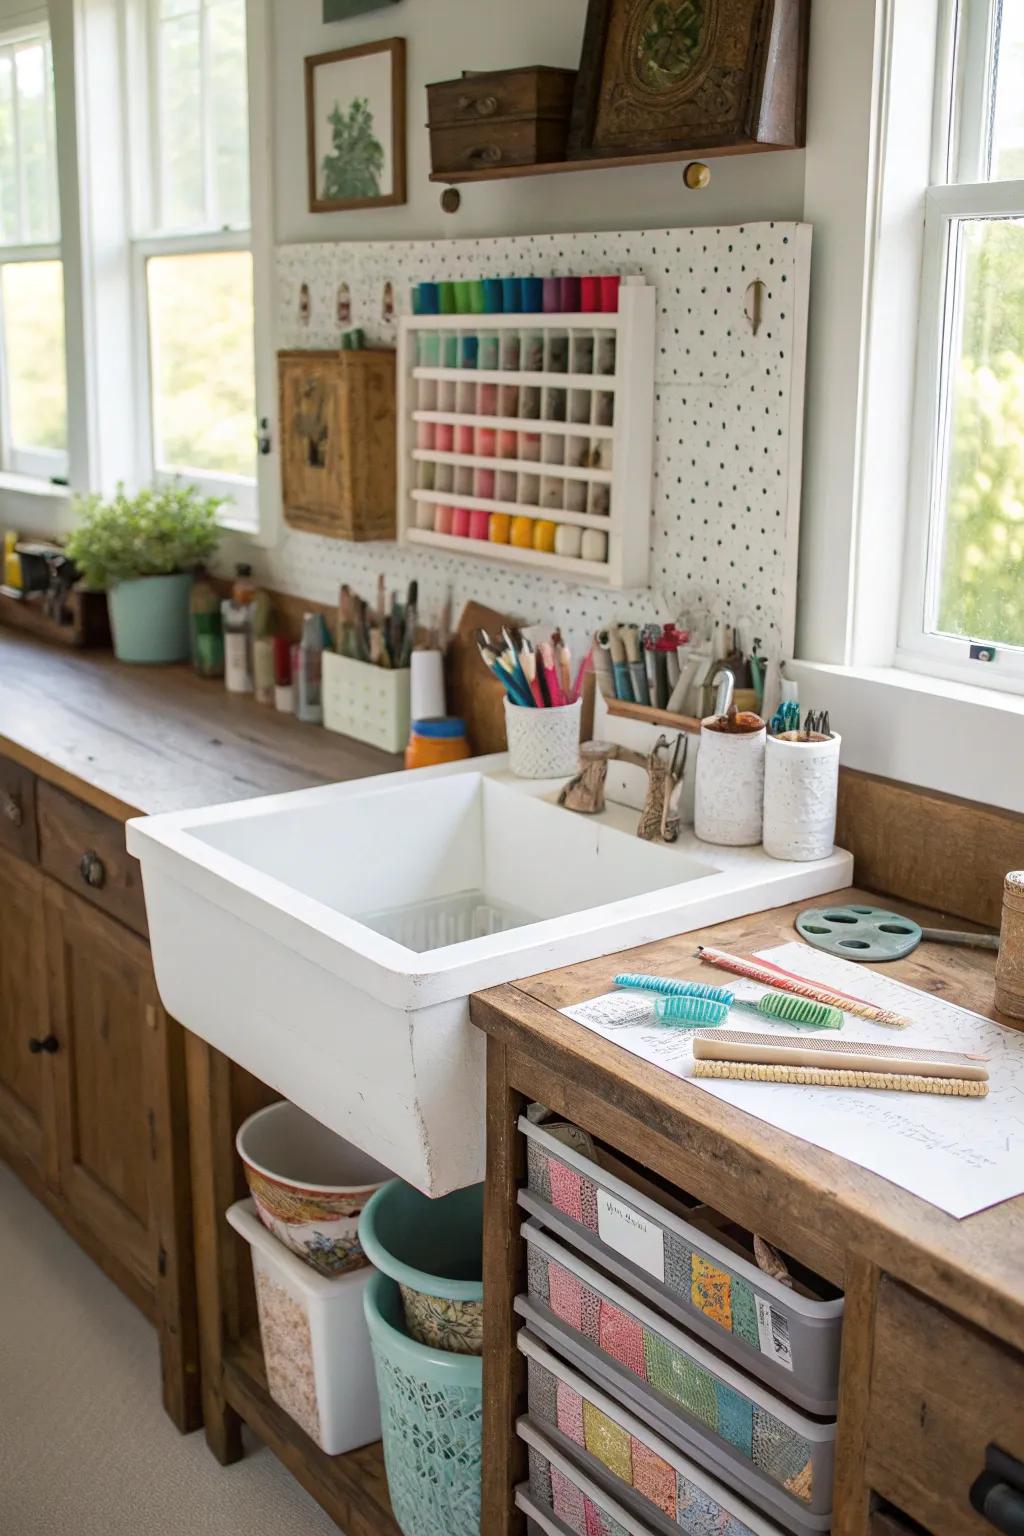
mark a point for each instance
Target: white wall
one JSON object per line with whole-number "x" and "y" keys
{"x": 443, "y": 37}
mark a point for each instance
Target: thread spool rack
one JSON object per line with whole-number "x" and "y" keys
{"x": 526, "y": 439}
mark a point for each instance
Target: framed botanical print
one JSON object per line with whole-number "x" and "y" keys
{"x": 658, "y": 77}
{"x": 355, "y": 126}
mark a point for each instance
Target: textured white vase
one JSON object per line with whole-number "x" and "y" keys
{"x": 729, "y": 794}
{"x": 801, "y": 783}
{"x": 543, "y": 743}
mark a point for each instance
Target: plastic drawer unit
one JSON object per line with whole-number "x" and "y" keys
{"x": 788, "y": 1340}
{"x": 621, "y": 1454}
{"x": 726, "y": 1420}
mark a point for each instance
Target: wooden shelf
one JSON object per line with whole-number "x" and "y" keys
{"x": 513, "y": 509}
{"x": 648, "y": 715}
{"x": 352, "y": 1489}
{"x": 602, "y": 163}
{"x": 591, "y": 571}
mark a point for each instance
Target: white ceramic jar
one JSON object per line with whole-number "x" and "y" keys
{"x": 729, "y": 794}
{"x": 801, "y": 785}
{"x": 543, "y": 743}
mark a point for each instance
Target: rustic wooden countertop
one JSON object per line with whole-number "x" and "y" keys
{"x": 134, "y": 740}
{"x": 772, "y": 1181}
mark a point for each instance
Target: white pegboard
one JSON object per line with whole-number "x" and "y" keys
{"x": 728, "y": 420}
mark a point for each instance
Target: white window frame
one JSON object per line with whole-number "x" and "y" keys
{"x": 40, "y": 464}
{"x": 963, "y": 105}
{"x": 252, "y": 508}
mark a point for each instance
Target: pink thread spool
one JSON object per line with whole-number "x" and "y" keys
{"x": 486, "y": 442}
{"x": 483, "y": 484}
{"x": 478, "y": 523}
{"x": 590, "y": 295}
{"x": 464, "y": 438}
{"x": 507, "y": 444}
{"x": 444, "y": 436}
{"x": 529, "y": 445}
{"x": 460, "y": 522}
{"x": 424, "y": 434}
{"x": 443, "y": 517}
{"x": 487, "y": 399}
{"x": 610, "y": 293}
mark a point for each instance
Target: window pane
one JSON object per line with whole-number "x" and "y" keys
{"x": 181, "y": 123}
{"x": 1008, "y": 114}
{"x": 31, "y": 74}
{"x": 229, "y": 112}
{"x": 8, "y": 160}
{"x": 33, "y": 321}
{"x": 201, "y": 340}
{"x": 981, "y": 588}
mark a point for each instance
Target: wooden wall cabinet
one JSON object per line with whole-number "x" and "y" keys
{"x": 337, "y": 423}
{"x": 92, "y": 1088}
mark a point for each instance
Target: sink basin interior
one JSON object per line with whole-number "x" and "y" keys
{"x": 444, "y": 860}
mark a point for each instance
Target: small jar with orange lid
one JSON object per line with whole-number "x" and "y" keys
{"x": 436, "y": 741}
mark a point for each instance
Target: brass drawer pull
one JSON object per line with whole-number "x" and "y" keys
{"x": 483, "y": 106}
{"x": 12, "y": 810}
{"x": 486, "y": 154}
{"x": 48, "y": 1043}
{"x": 92, "y": 869}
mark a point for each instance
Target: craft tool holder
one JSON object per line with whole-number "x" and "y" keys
{"x": 527, "y": 439}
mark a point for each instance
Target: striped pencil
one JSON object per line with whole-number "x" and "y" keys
{"x": 786, "y": 981}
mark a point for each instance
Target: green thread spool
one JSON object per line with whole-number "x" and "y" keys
{"x": 669, "y": 988}
{"x": 787, "y": 1009}
{"x": 684, "y": 1011}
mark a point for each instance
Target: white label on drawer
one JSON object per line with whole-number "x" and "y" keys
{"x": 773, "y": 1332}
{"x": 630, "y": 1234}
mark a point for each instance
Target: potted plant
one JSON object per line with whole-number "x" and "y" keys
{"x": 144, "y": 550}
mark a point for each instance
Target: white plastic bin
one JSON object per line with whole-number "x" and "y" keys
{"x": 315, "y": 1342}
{"x": 365, "y": 702}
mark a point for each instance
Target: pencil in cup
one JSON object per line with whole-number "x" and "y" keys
{"x": 785, "y": 981}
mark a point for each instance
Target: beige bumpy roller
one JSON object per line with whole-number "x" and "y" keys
{"x": 1010, "y": 964}
{"x": 841, "y": 1077}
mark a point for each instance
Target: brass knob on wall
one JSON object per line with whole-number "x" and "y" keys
{"x": 697, "y": 176}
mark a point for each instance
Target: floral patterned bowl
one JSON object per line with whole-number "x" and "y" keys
{"x": 309, "y": 1185}
{"x": 434, "y": 1249}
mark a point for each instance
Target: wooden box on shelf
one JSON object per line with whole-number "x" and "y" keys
{"x": 337, "y": 414}
{"x": 558, "y": 432}
{"x": 501, "y": 117}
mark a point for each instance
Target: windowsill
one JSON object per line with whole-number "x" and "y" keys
{"x": 30, "y": 485}
{"x": 953, "y": 737}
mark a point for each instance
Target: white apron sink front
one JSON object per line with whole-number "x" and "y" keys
{"x": 328, "y": 940}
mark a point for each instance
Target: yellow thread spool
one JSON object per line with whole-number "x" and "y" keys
{"x": 500, "y": 527}
{"x": 521, "y": 533}
{"x": 544, "y": 536}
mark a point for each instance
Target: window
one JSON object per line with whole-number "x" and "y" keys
{"x": 33, "y": 385}
{"x": 964, "y": 587}
{"x": 192, "y": 258}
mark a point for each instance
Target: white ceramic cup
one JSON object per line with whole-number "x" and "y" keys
{"x": 543, "y": 743}
{"x": 801, "y": 786}
{"x": 426, "y": 685}
{"x": 728, "y": 803}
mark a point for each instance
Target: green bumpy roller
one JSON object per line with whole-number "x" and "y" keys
{"x": 800, "y": 1011}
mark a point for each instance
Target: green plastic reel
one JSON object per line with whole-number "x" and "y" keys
{"x": 859, "y": 933}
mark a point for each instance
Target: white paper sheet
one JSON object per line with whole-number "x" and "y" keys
{"x": 961, "y": 1155}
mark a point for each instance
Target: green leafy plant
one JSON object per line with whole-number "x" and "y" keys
{"x": 161, "y": 530}
{"x": 354, "y": 167}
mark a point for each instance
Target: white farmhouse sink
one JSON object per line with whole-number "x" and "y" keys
{"x": 328, "y": 940}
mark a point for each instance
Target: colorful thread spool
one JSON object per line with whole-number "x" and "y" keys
{"x": 460, "y": 522}
{"x": 568, "y": 541}
{"x": 610, "y": 293}
{"x": 590, "y": 295}
{"x": 446, "y": 298}
{"x": 478, "y": 521}
{"x": 511, "y": 295}
{"x": 521, "y": 533}
{"x": 544, "y": 536}
{"x": 500, "y": 528}
{"x": 443, "y": 519}
{"x": 493, "y": 297}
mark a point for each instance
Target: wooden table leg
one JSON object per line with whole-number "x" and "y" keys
{"x": 213, "y": 1190}
{"x": 852, "y": 1501}
{"x": 504, "y": 1376}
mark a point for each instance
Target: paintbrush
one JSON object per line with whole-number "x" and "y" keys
{"x": 786, "y": 981}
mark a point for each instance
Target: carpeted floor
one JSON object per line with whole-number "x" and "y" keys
{"x": 85, "y": 1447}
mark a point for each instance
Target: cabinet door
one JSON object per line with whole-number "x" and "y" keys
{"x": 106, "y": 1015}
{"x": 26, "y": 1078}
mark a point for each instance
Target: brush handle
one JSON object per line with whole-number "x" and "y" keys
{"x": 774, "y": 976}
{"x": 841, "y": 1077}
{"x": 669, "y": 988}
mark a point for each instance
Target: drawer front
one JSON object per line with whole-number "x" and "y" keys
{"x": 85, "y": 851}
{"x": 479, "y": 146}
{"x": 18, "y": 810}
{"x": 941, "y": 1392}
{"x": 508, "y": 93}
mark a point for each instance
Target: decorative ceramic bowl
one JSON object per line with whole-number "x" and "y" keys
{"x": 434, "y": 1249}
{"x": 309, "y": 1185}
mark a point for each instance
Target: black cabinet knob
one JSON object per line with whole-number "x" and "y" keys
{"x": 48, "y": 1043}
{"x": 998, "y": 1493}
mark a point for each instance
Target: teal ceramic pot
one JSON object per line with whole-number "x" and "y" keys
{"x": 149, "y": 618}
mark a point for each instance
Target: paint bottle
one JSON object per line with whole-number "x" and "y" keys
{"x": 206, "y": 628}
{"x": 284, "y": 698}
{"x": 236, "y": 617}
{"x": 307, "y": 679}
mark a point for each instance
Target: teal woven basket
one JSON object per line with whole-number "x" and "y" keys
{"x": 431, "y": 1415}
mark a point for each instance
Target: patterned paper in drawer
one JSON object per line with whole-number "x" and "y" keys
{"x": 723, "y": 1298}
{"x": 557, "y": 1403}
{"x": 774, "y": 1447}
{"x": 554, "y": 1489}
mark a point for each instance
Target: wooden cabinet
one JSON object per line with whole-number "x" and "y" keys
{"x": 26, "y": 1081}
{"x": 92, "y": 1083}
